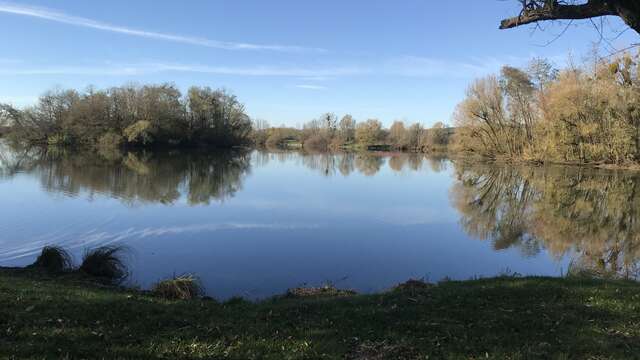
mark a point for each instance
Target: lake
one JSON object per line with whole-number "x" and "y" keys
{"x": 256, "y": 223}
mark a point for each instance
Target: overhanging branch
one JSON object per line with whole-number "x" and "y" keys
{"x": 552, "y": 10}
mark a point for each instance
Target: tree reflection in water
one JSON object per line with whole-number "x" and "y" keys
{"x": 346, "y": 163}
{"x": 133, "y": 177}
{"x": 567, "y": 210}
{"x": 137, "y": 177}
{"x": 587, "y": 213}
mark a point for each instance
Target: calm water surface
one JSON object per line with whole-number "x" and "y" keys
{"x": 257, "y": 223}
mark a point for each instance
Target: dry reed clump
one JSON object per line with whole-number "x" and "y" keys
{"x": 184, "y": 287}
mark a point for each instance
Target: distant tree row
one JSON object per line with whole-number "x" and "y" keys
{"x": 327, "y": 132}
{"x": 135, "y": 115}
{"x": 580, "y": 114}
{"x": 160, "y": 115}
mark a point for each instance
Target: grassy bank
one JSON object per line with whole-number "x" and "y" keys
{"x": 517, "y": 318}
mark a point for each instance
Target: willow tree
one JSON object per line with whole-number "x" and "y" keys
{"x": 534, "y": 11}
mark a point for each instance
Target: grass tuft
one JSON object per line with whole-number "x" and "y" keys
{"x": 54, "y": 259}
{"x": 106, "y": 262}
{"x": 327, "y": 290}
{"x": 184, "y": 287}
{"x": 413, "y": 285}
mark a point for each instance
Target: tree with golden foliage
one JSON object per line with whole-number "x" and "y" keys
{"x": 369, "y": 133}
{"x": 575, "y": 115}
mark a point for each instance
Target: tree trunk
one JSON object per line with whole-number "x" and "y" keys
{"x": 629, "y": 11}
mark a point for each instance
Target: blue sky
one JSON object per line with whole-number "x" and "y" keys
{"x": 287, "y": 60}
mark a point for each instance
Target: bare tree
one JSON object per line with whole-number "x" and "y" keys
{"x": 329, "y": 123}
{"x": 398, "y": 134}
{"x": 534, "y": 11}
{"x": 7, "y": 115}
{"x": 347, "y": 128}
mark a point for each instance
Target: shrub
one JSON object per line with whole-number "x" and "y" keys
{"x": 413, "y": 286}
{"x": 110, "y": 140}
{"x": 54, "y": 259}
{"x": 316, "y": 142}
{"x": 336, "y": 143}
{"x": 139, "y": 132}
{"x": 58, "y": 140}
{"x": 275, "y": 140}
{"x": 369, "y": 132}
{"x": 105, "y": 262}
{"x": 184, "y": 287}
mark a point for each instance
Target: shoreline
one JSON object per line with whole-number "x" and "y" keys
{"x": 521, "y": 162}
{"x": 381, "y": 150}
{"x": 48, "y": 316}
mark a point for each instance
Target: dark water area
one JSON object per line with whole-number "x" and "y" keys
{"x": 256, "y": 223}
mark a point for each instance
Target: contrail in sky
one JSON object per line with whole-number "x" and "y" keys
{"x": 60, "y": 17}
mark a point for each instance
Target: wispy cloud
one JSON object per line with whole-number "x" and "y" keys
{"x": 61, "y": 17}
{"x": 316, "y": 78}
{"x": 311, "y": 87}
{"x": 426, "y": 67}
{"x": 264, "y": 70}
{"x": 150, "y": 68}
{"x": 413, "y": 66}
{"x": 406, "y": 66}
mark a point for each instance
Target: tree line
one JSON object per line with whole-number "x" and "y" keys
{"x": 329, "y": 133}
{"x": 160, "y": 115}
{"x": 582, "y": 114}
{"x": 131, "y": 115}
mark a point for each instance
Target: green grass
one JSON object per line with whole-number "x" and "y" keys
{"x": 69, "y": 316}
